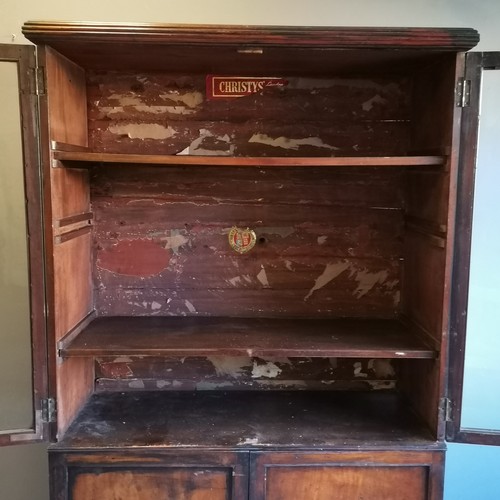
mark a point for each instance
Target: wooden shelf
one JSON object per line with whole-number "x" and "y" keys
{"x": 208, "y": 336}
{"x": 85, "y": 159}
{"x": 246, "y": 419}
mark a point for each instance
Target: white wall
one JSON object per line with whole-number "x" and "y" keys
{"x": 471, "y": 472}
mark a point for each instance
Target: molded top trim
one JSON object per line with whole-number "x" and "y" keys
{"x": 455, "y": 39}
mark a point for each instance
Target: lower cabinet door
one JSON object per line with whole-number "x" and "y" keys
{"x": 181, "y": 476}
{"x": 347, "y": 476}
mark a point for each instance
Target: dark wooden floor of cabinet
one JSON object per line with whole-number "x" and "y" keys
{"x": 245, "y": 420}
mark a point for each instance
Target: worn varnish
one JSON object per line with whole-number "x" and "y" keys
{"x": 377, "y": 475}
{"x": 242, "y": 420}
{"x": 329, "y": 338}
{"x": 158, "y": 483}
{"x": 125, "y": 373}
{"x": 169, "y": 114}
{"x": 318, "y": 482}
{"x": 206, "y": 336}
{"x": 328, "y": 243}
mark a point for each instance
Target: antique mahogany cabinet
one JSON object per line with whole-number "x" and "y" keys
{"x": 315, "y": 365}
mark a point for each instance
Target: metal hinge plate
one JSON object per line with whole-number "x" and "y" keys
{"x": 462, "y": 93}
{"x": 38, "y": 81}
{"x": 446, "y": 406}
{"x": 49, "y": 410}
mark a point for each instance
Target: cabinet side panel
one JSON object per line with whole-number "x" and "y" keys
{"x": 73, "y": 301}
{"x": 67, "y": 100}
{"x": 75, "y": 382}
{"x": 69, "y": 263}
{"x": 423, "y": 280}
{"x": 72, "y": 190}
{"x": 433, "y": 107}
{"x": 431, "y": 206}
{"x": 418, "y": 382}
{"x": 72, "y": 283}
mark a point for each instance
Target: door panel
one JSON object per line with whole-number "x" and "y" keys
{"x": 180, "y": 475}
{"x": 23, "y": 379}
{"x": 347, "y": 476}
{"x": 475, "y": 344}
{"x": 153, "y": 484}
{"x": 15, "y": 362}
{"x": 346, "y": 483}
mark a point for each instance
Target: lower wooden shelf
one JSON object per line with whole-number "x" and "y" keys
{"x": 240, "y": 420}
{"x": 206, "y": 336}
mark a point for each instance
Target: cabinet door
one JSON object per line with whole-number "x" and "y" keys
{"x": 347, "y": 476}
{"x": 23, "y": 376}
{"x": 132, "y": 476}
{"x": 474, "y": 416}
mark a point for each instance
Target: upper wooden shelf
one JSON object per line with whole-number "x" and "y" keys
{"x": 208, "y": 336}
{"x": 85, "y": 159}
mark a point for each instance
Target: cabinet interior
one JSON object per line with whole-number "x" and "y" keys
{"x": 344, "y": 174}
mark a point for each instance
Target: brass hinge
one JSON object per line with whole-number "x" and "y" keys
{"x": 447, "y": 409}
{"x": 38, "y": 81}
{"x": 462, "y": 93}
{"x": 49, "y": 410}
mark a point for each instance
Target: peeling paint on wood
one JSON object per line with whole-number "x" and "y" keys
{"x": 331, "y": 237}
{"x": 289, "y": 143}
{"x": 311, "y": 116}
{"x": 143, "y": 131}
{"x": 367, "y": 280}
{"x": 245, "y": 373}
{"x": 330, "y": 272}
{"x": 268, "y": 370}
{"x": 262, "y": 277}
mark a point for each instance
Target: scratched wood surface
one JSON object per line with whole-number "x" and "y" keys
{"x": 158, "y": 113}
{"x": 178, "y": 336}
{"x": 317, "y": 482}
{"x": 328, "y": 243}
{"x": 243, "y": 419}
{"x": 348, "y": 475}
{"x": 190, "y": 483}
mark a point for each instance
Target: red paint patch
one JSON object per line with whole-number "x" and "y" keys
{"x": 134, "y": 258}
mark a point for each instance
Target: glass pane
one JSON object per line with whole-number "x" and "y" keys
{"x": 481, "y": 396}
{"x": 16, "y": 406}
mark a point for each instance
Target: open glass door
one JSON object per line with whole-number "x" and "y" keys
{"x": 475, "y": 321}
{"x": 23, "y": 353}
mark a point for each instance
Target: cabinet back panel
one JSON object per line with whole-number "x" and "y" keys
{"x": 159, "y": 113}
{"x": 242, "y": 373}
{"x": 330, "y": 244}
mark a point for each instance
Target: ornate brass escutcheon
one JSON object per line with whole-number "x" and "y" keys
{"x": 242, "y": 240}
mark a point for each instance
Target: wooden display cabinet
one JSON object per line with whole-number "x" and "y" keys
{"x": 315, "y": 365}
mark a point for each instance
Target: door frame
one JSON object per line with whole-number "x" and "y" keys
{"x": 476, "y": 63}
{"x": 25, "y": 58}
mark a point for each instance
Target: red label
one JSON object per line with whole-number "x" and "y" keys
{"x": 239, "y": 86}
